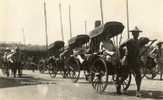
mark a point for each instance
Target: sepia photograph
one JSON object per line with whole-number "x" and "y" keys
{"x": 81, "y": 50}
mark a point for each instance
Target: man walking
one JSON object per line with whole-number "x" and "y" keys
{"x": 132, "y": 57}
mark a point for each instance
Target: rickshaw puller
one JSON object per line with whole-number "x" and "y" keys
{"x": 132, "y": 58}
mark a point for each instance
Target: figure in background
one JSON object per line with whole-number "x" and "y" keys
{"x": 17, "y": 68}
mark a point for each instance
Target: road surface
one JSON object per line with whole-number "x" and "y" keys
{"x": 36, "y": 86}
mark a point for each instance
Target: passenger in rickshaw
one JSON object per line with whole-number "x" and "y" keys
{"x": 133, "y": 66}
{"x": 80, "y": 52}
{"x": 108, "y": 49}
{"x": 66, "y": 54}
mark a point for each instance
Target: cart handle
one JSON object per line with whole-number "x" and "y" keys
{"x": 152, "y": 41}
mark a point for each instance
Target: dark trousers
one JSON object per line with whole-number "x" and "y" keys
{"x": 16, "y": 68}
{"x": 132, "y": 67}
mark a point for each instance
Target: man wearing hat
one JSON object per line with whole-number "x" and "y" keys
{"x": 133, "y": 50}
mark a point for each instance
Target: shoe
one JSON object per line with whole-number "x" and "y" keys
{"x": 138, "y": 94}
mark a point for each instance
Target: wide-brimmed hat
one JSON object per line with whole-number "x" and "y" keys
{"x": 136, "y": 29}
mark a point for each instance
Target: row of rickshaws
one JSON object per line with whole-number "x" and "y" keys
{"x": 82, "y": 56}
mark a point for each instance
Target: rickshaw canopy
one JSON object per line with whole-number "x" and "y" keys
{"x": 78, "y": 40}
{"x": 55, "y": 48}
{"x": 56, "y": 45}
{"x": 109, "y": 29}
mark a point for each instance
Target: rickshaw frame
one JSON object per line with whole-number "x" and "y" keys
{"x": 54, "y": 65}
{"x": 75, "y": 66}
{"x": 101, "y": 67}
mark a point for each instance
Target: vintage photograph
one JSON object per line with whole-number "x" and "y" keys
{"x": 81, "y": 50}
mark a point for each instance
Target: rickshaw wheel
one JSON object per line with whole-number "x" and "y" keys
{"x": 41, "y": 68}
{"x": 151, "y": 73}
{"x": 65, "y": 72}
{"x": 126, "y": 82}
{"x": 53, "y": 70}
{"x": 74, "y": 70}
{"x": 99, "y": 73}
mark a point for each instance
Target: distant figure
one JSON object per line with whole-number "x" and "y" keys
{"x": 133, "y": 48}
{"x": 6, "y": 62}
{"x": 17, "y": 62}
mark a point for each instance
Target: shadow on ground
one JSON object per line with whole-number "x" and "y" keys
{"x": 84, "y": 82}
{"x": 156, "y": 79}
{"x": 145, "y": 94}
{"x": 25, "y": 80}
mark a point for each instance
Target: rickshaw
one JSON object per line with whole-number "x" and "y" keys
{"x": 54, "y": 64}
{"x": 65, "y": 61}
{"x": 154, "y": 62}
{"x": 76, "y": 62}
{"x": 105, "y": 64}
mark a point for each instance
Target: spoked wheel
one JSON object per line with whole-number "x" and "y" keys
{"x": 126, "y": 82}
{"x": 99, "y": 73}
{"x": 42, "y": 68}
{"x": 65, "y": 72}
{"x": 74, "y": 70}
{"x": 151, "y": 73}
{"x": 53, "y": 70}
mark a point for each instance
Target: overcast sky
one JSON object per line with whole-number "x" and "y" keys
{"x": 28, "y": 14}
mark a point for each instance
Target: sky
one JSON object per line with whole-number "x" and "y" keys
{"x": 16, "y": 15}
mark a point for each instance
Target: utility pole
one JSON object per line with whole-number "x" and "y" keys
{"x": 61, "y": 23}
{"x": 101, "y": 10}
{"x": 70, "y": 21}
{"x": 45, "y": 23}
{"x": 127, "y": 15}
{"x": 85, "y": 26}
